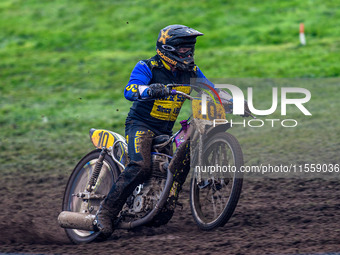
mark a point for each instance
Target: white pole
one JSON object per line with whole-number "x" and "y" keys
{"x": 302, "y": 34}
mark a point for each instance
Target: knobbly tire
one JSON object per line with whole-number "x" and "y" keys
{"x": 77, "y": 183}
{"x": 214, "y": 199}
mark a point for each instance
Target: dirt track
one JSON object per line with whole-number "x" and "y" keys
{"x": 274, "y": 216}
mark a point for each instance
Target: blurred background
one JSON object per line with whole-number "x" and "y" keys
{"x": 63, "y": 68}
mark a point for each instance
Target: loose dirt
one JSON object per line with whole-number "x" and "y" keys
{"x": 274, "y": 216}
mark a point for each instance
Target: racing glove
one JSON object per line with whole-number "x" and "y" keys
{"x": 157, "y": 90}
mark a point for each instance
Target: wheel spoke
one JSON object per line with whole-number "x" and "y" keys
{"x": 211, "y": 201}
{"x": 77, "y": 185}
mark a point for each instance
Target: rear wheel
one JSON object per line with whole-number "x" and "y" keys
{"x": 214, "y": 192}
{"x": 77, "y": 186}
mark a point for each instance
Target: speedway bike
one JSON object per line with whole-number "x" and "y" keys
{"x": 213, "y": 194}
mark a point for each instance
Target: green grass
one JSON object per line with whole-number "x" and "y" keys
{"x": 64, "y": 64}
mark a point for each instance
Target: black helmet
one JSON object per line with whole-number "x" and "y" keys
{"x": 171, "y": 39}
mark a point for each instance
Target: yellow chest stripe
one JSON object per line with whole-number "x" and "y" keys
{"x": 169, "y": 108}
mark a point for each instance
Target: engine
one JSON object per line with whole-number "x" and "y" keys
{"x": 145, "y": 197}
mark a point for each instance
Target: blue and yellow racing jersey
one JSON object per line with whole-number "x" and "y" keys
{"x": 159, "y": 114}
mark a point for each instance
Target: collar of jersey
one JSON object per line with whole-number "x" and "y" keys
{"x": 166, "y": 65}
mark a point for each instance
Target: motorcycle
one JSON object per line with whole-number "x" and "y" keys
{"x": 213, "y": 194}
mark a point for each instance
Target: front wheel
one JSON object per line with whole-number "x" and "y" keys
{"x": 216, "y": 185}
{"x": 76, "y": 199}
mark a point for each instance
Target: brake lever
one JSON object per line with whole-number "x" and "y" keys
{"x": 251, "y": 115}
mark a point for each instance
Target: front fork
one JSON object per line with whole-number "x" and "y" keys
{"x": 198, "y": 136}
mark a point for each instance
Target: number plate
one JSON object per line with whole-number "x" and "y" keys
{"x": 214, "y": 110}
{"x": 102, "y": 138}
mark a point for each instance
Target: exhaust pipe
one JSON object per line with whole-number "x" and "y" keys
{"x": 75, "y": 220}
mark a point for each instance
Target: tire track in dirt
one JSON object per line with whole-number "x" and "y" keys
{"x": 274, "y": 216}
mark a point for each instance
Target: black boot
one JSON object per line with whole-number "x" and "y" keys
{"x": 104, "y": 219}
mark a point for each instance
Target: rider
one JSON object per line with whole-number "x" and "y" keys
{"x": 173, "y": 64}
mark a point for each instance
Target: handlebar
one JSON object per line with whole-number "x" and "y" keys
{"x": 174, "y": 92}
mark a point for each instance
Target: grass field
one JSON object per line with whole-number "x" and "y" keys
{"x": 64, "y": 65}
